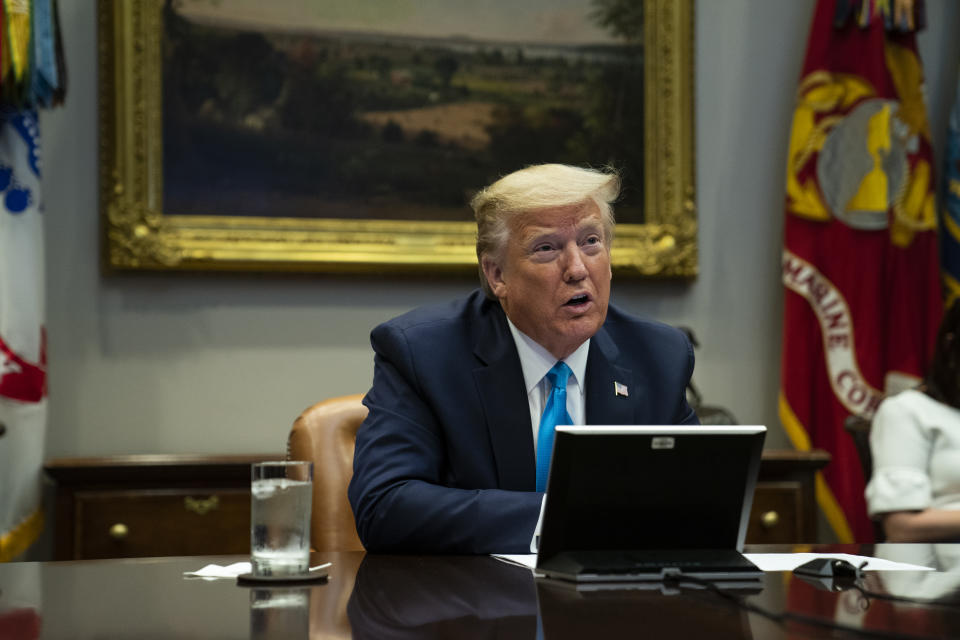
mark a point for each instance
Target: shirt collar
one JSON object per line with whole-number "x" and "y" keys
{"x": 537, "y": 361}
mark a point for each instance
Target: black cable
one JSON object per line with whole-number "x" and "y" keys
{"x": 921, "y": 601}
{"x": 855, "y": 582}
{"x": 677, "y": 580}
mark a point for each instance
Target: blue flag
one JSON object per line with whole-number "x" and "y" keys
{"x": 950, "y": 223}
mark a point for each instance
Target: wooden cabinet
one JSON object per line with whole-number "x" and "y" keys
{"x": 784, "y": 502}
{"x": 110, "y": 524}
{"x": 136, "y": 506}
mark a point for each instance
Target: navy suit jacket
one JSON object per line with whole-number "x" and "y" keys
{"x": 444, "y": 462}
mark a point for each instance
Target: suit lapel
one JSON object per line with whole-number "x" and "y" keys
{"x": 603, "y": 405}
{"x": 499, "y": 380}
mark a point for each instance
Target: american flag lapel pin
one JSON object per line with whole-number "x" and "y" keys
{"x": 620, "y": 389}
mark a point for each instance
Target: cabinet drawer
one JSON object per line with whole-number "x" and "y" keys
{"x": 777, "y": 514}
{"x": 117, "y": 524}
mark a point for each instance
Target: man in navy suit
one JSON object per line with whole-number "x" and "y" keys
{"x": 446, "y": 460}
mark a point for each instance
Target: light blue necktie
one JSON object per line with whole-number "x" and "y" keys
{"x": 553, "y": 414}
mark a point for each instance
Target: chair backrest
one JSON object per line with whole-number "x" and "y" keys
{"x": 859, "y": 430}
{"x": 325, "y": 434}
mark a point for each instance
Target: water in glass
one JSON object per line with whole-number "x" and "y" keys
{"x": 280, "y": 527}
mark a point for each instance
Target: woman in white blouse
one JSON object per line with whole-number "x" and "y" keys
{"x": 915, "y": 442}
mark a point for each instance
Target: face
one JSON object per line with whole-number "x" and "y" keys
{"x": 553, "y": 279}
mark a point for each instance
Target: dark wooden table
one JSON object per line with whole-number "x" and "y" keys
{"x": 369, "y": 596}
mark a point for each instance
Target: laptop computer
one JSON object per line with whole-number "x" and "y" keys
{"x": 640, "y": 503}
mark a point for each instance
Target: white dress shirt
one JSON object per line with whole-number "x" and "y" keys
{"x": 536, "y": 362}
{"x": 915, "y": 442}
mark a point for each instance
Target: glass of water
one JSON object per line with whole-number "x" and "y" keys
{"x": 281, "y": 495}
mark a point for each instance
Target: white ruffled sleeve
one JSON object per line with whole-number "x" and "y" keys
{"x": 900, "y": 445}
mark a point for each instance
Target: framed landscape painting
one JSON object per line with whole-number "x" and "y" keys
{"x": 349, "y": 136}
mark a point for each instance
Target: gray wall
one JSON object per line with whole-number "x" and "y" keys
{"x": 201, "y": 364}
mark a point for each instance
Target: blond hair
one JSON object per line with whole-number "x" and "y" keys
{"x": 542, "y": 186}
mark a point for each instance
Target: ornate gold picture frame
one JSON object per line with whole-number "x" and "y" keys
{"x": 141, "y": 235}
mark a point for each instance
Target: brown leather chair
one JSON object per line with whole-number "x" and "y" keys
{"x": 324, "y": 434}
{"x": 859, "y": 430}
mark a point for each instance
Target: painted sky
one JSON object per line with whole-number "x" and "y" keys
{"x": 538, "y": 21}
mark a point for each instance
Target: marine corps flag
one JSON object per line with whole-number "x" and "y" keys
{"x": 860, "y": 267}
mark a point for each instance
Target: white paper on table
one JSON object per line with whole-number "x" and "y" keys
{"x": 790, "y": 561}
{"x": 214, "y": 571}
{"x": 528, "y": 560}
{"x": 767, "y": 561}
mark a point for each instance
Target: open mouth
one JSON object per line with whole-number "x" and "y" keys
{"x": 577, "y": 300}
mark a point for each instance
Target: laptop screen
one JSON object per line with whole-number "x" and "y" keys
{"x": 631, "y": 488}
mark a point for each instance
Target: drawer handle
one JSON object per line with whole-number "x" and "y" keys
{"x": 201, "y": 506}
{"x": 770, "y": 519}
{"x": 119, "y": 531}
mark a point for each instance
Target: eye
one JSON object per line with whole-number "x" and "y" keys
{"x": 592, "y": 240}
{"x": 540, "y": 248}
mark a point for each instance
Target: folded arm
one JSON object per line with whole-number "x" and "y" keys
{"x": 929, "y": 525}
{"x": 900, "y": 493}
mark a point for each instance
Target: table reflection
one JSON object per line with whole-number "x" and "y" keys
{"x": 923, "y": 604}
{"x": 20, "y": 604}
{"x": 407, "y": 597}
{"x": 442, "y": 596}
{"x": 649, "y": 610}
{"x": 944, "y": 583}
{"x": 280, "y": 613}
{"x": 424, "y": 597}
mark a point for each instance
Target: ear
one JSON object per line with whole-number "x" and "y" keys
{"x": 494, "y": 275}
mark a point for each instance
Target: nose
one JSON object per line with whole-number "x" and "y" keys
{"x": 574, "y": 268}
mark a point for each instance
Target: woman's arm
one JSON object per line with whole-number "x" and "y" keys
{"x": 929, "y": 525}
